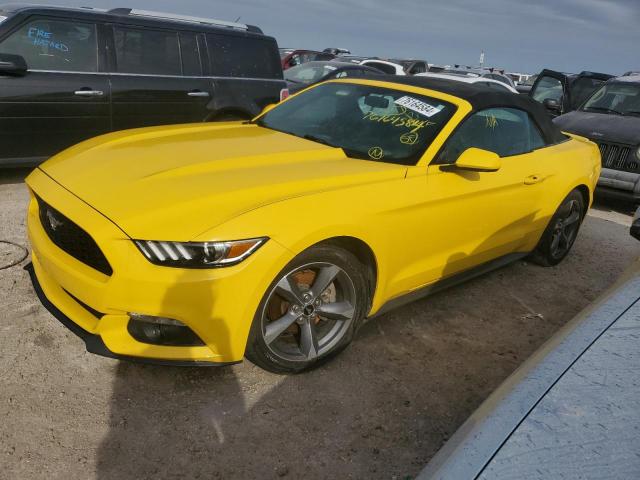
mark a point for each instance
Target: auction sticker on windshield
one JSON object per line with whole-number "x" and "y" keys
{"x": 418, "y": 106}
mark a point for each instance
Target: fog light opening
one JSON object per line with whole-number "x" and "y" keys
{"x": 161, "y": 331}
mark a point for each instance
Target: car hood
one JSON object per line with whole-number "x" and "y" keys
{"x": 601, "y": 126}
{"x": 176, "y": 183}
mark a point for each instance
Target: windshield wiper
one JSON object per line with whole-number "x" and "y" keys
{"x": 603, "y": 109}
{"x": 313, "y": 138}
{"x": 632, "y": 112}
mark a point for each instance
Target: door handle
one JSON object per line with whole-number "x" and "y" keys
{"x": 89, "y": 93}
{"x": 533, "y": 179}
{"x": 198, "y": 93}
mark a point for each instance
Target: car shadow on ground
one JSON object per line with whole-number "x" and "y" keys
{"x": 380, "y": 409}
{"x": 608, "y": 204}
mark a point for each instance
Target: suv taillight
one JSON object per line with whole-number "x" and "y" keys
{"x": 284, "y": 93}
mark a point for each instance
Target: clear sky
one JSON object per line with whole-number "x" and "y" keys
{"x": 519, "y": 35}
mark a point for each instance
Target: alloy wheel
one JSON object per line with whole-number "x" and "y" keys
{"x": 308, "y": 312}
{"x": 565, "y": 229}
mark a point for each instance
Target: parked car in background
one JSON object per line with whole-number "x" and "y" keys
{"x": 292, "y": 58}
{"x": 570, "y": 411}
{"x": 484, "y": 73}
{"x": 277, "y": 238}
{"x": 611, "y": 118}
{"x": 564, "y": 92}
{"x": 518, "y": 78}
{"x": 390, "y": 68}
{"x": 337, "y": 51}
{"x": 311, "y": 73}
{"x": 68, "y": 74}
{"x": 353, "y": 58}
{"x": 482, "y": 81}
{"x": 525, "y": 87}
{"x": 412, "y": 67}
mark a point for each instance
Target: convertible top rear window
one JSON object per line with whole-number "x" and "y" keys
{"x": 367, "y": 122}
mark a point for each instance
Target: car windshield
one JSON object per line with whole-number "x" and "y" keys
{"x": 308, "y": 73}
{"x": 616, "y": 98}
{"x": 367, "y": 122}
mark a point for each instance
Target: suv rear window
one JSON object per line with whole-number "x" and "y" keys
{"x": 249, "y": 57}
{"x": 58, "y": 45}
{"x": 151, "y": 52}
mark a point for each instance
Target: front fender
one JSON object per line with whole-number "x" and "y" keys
{"x": 298, "y": 231}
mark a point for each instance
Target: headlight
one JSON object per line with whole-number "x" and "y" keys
{"x": 638, "y": 153}
{"x": 198, "y": 254}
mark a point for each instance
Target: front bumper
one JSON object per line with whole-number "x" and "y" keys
{"x": 619, "y": 184}
{"x": 217, "y": 304}
{"x": 93, "y": 343}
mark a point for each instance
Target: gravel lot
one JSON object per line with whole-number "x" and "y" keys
{"x": 380, "y": 410}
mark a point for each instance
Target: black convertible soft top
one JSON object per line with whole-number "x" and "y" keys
{"x": 481, "y": 97}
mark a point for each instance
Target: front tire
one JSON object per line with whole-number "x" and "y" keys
{"x": 561, "y": 233}
{"x": 310, "y": 312}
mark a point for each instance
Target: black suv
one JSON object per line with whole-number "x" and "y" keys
{"x": 611, "y": 118}
{"x": 70, "y": 74}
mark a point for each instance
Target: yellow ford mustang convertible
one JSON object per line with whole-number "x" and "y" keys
{"x": 275, "y": 239}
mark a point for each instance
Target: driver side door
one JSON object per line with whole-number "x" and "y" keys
{"x": 63, "y": 98}
{"x": 478, "y": 216}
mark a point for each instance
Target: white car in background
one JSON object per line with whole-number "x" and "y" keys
{"x": 389, "y": 68}
{"x": 487, "y": 82}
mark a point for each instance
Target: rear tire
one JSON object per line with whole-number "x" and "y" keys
{"x": 310, "y": 312}
{"x": 561, "y": 232}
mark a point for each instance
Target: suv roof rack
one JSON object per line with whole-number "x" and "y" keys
{"x": 183, "y": 18}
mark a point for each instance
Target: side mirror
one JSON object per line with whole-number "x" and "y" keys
{"x": 12, "y": 65}
{"x": 552, "y": 104}
{"x": 635, "y": 225}
{"x": 478, "y": 160}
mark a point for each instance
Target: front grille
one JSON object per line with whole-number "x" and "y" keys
{"x": 72, "y": 239}
{"x": 619, "y": 157}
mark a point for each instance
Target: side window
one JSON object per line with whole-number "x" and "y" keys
{"x": 142, "y": 51}
{"x": 548, "y": 87}
{"x": 294, "y": 60}
{"x": 59, "y": 45}
{"x": 308, "y": 57}
{"x": 505, "y": 131}
{"x": 244, "y": 56}
{"x": 190, "y": 54}
{"x": 419, "y": 67}
{"x": 582, "y": 89}
{"x": 382, "y": 66}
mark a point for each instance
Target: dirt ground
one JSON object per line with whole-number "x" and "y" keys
{"x": 378, "y": 411}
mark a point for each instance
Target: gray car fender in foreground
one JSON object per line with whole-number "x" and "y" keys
{"x": 476, "y": 442}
